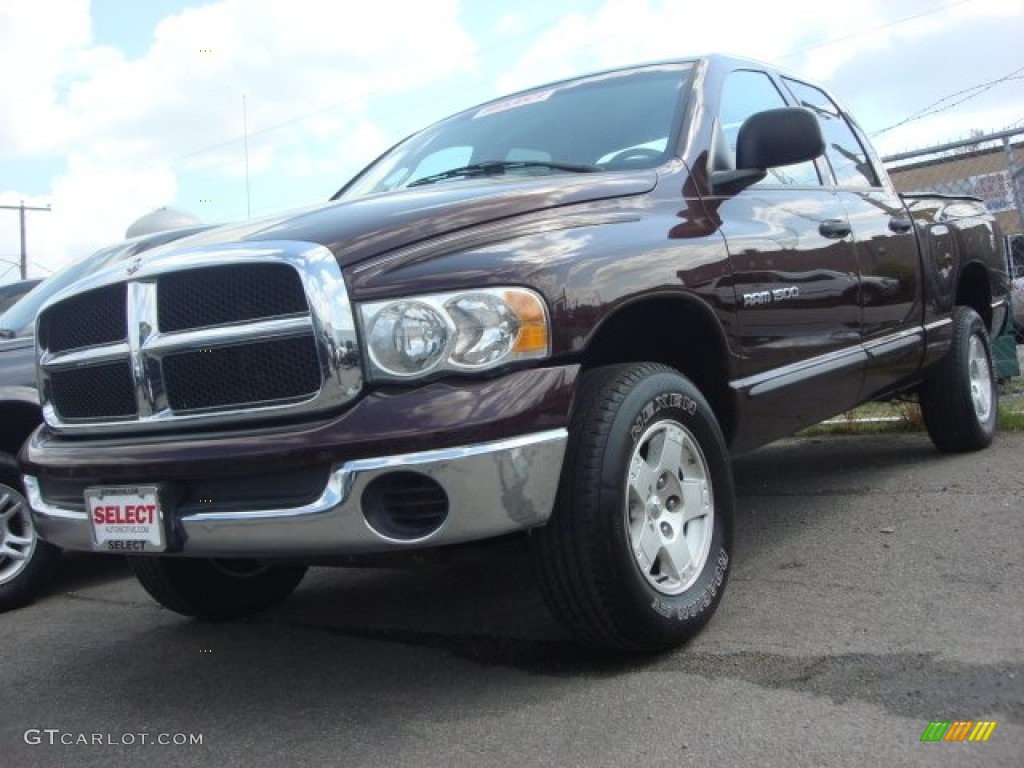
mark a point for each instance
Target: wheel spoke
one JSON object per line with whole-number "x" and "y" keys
{"x": 8, "y": 507}
{"x": 671, "y": 458}
{"x": 979, "y": 402}
{"x": 980, "y": 375}
{"x": 646, "y": 546}
{"x": 677, "y": 560}
{"x": 9, "y": 552}
{"x": 696, "y": 501}
{"x": 642, "y": 478}
{"x": 15, "y": 541}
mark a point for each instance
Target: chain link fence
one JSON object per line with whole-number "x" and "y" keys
{"x": 988, "y": 166}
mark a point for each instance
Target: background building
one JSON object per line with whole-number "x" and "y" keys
{"x": 990, "y": 167}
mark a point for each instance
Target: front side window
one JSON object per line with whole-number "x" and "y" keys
{"x": 845, "y": 154}
{"x": 745, "y": 93}
{"x": 615, "y": 121}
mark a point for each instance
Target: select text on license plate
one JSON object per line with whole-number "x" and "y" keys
{"x": 126, "y": 519}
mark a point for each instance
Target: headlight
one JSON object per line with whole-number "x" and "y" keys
{"x": 407, "y": 338}
{"x": 462, "y": 331}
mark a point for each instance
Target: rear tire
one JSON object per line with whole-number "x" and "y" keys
{"x": 960, "y": 401}
{"x": 637, "y": 552}
{"x": 27, "y": 563}
{"x": 215, "y": 589}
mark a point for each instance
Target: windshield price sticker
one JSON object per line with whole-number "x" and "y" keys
{"x": 518, "y": 101}
{"x": 126, "y": 519}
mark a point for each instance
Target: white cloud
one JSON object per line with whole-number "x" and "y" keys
{"x": 39, "y": 44}
{"x": 622, "y": 32}
{"x": 885, "y": 60}
{"x": 134, "y": 124}
{"x": 325, "y": 87}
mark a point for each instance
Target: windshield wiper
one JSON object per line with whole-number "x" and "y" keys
{"x": 498, "y": 168}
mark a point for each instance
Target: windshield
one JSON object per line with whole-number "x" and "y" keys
{"x": 615, "y": 121}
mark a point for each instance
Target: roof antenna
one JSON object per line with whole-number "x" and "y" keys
{"x": 245, "y": 131}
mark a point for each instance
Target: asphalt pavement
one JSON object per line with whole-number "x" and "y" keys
{"x": 878, "y": 586}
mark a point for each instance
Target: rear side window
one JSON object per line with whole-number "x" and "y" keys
{"x": 745, "y": 93}
{"x": 845, "y": 153}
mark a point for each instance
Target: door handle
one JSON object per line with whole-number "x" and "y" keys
{"x": 834, "y": 228}
{"x": 900, "y": 225}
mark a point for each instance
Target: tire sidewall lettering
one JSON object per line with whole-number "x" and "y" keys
{"x": 698, "y": 602}
{"x": 673, "y": 400}
{"x": 664, "y": 605}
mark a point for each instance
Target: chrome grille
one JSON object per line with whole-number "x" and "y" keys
{"x": 95, "y": 317}
{"x": 264, "y": 371}
{"x": 231, "y": 294}
{"x": 95, "y": 392}
{"x": 220, "y": 334}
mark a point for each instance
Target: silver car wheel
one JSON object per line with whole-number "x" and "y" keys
{"x": 979, "y": 372}
{"x": 17, "y": 534}
{"x": 669, "y": 507}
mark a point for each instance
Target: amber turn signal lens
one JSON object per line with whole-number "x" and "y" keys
{"x": 533, "y": 326}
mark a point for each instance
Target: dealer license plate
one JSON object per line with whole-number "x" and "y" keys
{"x": 126, "y": 519}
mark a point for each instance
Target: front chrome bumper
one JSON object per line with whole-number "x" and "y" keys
{"x": 492, "y": 488}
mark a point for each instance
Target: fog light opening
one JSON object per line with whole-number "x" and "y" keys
{"x": 404, "y": 506}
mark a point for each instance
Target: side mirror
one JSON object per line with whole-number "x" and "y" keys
{"x": 778, "y": 137}
{"x": 770, "y": 139}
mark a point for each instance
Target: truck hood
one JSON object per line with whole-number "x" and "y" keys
{"x": 367, "y": 226}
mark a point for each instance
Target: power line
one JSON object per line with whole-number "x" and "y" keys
{"x": 488, "y": 53}
{"x": 879, "y": 28}
{"x": 490, "y": 50}
{"x": 351, "y": 99}
{"x": 937, "y": 106}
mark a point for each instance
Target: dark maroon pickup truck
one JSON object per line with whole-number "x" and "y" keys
{"x": 556, "y": 315}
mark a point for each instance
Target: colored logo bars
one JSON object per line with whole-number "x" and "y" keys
{"x": 958, "y": 730}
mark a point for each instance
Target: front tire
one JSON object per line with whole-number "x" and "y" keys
{"x": 637, "y": 552}
{"x": 27, "y": 563}
{"x": 215, "y": 589}
{"x": 959, "y": 402}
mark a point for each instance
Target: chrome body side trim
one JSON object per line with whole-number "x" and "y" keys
{"x": 934, "y": 326}
{"x": 780, "y": 378}
{"x": 896, "y": 342}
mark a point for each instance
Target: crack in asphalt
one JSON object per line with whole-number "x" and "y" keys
{"x": 742, "y": 494}
{"x": 915, "y": 685}
{"x": 912, "y": 685}
{"x": 103, "y": 600}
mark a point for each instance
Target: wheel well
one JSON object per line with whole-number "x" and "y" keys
{"x": 673, "y": 332}
{"x": 19, "y": 419}
{"x": 974, "y": 291}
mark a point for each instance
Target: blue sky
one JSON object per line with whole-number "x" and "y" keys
{"x": 118, "y": 107}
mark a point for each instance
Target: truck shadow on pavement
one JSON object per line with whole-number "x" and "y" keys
{"x": 78, "y": 570}
{"x": 347, "y": 632}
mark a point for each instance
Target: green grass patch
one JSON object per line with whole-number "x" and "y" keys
{"x": 1011, "y": 416}
{"x": 881, "y": 418}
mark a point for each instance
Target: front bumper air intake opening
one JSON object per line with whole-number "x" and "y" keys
{"x": 404, "y": 506}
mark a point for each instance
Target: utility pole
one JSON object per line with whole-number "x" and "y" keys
{"x": 21, "y": 208}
